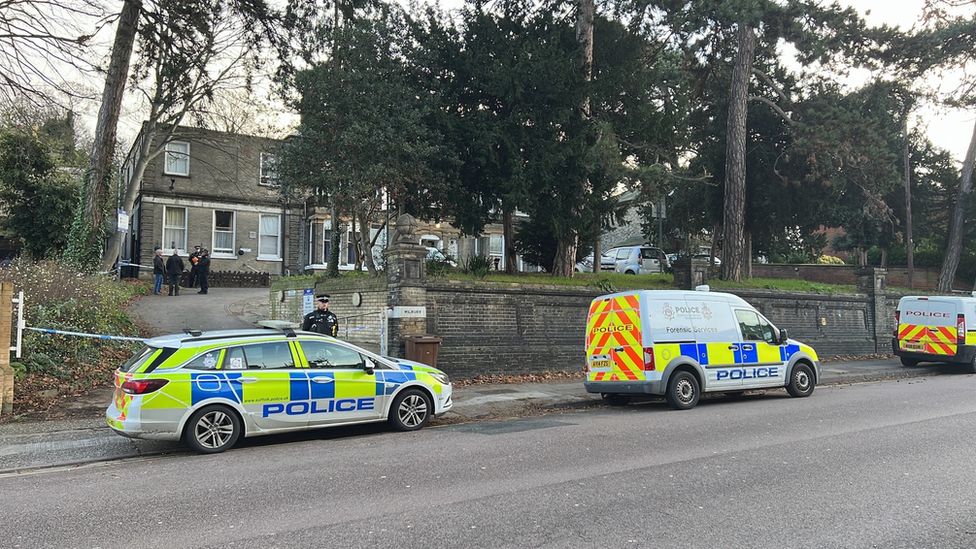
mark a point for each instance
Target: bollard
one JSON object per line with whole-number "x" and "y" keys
{"x": 6, "y": 326}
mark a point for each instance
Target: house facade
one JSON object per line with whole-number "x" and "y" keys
{"x": 219, "y": 191}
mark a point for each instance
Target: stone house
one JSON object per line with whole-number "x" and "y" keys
{"x": 217, "y": 190}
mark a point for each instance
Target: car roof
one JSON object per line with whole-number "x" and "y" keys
{"x": 186, "y": 340}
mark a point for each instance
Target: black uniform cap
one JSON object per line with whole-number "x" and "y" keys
{"x": 324, "y": 298}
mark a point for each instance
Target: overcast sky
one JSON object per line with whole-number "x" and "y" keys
{"x": 948, "y": 128}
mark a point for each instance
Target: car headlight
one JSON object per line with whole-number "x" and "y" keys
{"x": 441, "y": 378}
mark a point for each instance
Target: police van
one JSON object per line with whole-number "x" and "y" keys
{"x": 936, "y": 329}
{"x": 682, "y": 343}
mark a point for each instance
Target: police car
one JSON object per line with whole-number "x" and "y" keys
{"x": 209, "y": 389}
{"x": 682, "y": 343}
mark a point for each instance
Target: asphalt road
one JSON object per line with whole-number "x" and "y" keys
{"x": 888, "y": 464}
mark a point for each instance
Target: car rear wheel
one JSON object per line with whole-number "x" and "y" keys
{"x": 909, "y": 362}
{"x": 802, "y": 382}
{"x": 410, "y": 411}
{"x": 212, "y": 429}
{"x": 683, "y": 391}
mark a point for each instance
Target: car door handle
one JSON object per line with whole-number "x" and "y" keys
{"x": 619, "y": 349}
{"x": 322, "y": 379}
{"x": 245, "y": 379}
{"x": 747, "y": 347}
{"x": 733, "y": 347}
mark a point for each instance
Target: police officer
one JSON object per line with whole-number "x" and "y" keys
{"x": 322, "y": 320}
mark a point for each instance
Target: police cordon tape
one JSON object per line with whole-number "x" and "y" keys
{"x": 51, "y": 331}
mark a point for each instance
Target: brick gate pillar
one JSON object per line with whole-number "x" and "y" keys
{"x": 406, "y": 274}
{"x": 6, "y": 326}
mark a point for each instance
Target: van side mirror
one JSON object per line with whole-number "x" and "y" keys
{"x": 369, "y": 366}
{"x": 783, "y": 336}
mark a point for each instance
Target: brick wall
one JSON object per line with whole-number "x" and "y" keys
{"x": 925, "y": 279}
{"x": 495, "y": 328}
{"x": 359, "y": 325}
{"x": 492, "y": 328}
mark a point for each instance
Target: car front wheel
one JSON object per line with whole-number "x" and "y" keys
{"x": 410, "y": 411}
{"x": 802, "y": 382}
{"x": 212, "y": 430}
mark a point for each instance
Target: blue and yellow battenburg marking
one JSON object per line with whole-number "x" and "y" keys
{"x": 720, "y": 354}
{"x": 293, "y": 393}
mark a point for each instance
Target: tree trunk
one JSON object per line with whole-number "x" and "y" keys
{"x": 358, "y": 257}
{"x": 565, "y": 261}
{"x": 508, "y": 231}
{"x": 112, "y": 248}
{"x": 597, "y": 251}
{"x": 734, "y": 210}
{"x": 364, "y": 243}
{"x": 332, "y": 270}
{"x": 954, "y": 248}
{"x": 89, "y": 232}
{"x": 909, "y": 243}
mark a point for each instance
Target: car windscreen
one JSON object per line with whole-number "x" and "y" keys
{"x": 138, "y": 359}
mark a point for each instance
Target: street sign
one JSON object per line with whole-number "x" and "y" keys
{"x": 408, "y": 312}
{"x": 308, "y": 301}
{"x": 123, "y": 222}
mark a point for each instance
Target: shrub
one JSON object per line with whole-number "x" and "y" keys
{"x": 61, "y": 298}
{"x": 478, "y": 266}
{"x": 829, "y": 260}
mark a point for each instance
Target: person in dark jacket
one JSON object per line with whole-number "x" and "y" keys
{"x": 203, "y": 271}
{"x": 194, "y": 265}
{"x": 321, "y": 320}
{"x": 159, "y": 269}
{"x": 174, "y": 269}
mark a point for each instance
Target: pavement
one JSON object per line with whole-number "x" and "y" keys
{"x": 30, "y": 445}
{"x": 220, "y": 308}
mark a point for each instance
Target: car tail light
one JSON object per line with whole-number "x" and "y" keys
{"x": 897, "y": 322}
{"x": 143, "y": 386}
{"x": 961, "y": 330}
{"x": 648, "y": 359}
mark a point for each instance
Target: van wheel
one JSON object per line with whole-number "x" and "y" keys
{"x": 801, "y": 381}
{"x": 909, "y": 362}
{"x": 971, "y": 368}
{"x": 683, "y": 391}
{"x": 630, "y": 272}
{"x": 212, "y": 430}
{"x": 615, "y": 399}
{"x": 410, "y": 411}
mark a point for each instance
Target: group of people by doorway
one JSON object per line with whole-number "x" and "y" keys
{"x": 172, "y": 268}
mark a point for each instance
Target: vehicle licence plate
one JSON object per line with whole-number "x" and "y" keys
{"x": 913, "y": 346}
{"x": 600, "y": 364}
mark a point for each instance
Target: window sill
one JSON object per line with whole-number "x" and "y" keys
{"x": 176, "y": 174}
{"x": 272, "y": 259}
{"x": 223, "y": 256}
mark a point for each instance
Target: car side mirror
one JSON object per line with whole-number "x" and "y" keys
{"x": 369, "y": 366}
{"x": 783, "y": 336}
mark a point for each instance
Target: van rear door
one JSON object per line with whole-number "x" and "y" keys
{"x": 927, "y": 326}
{"x": 614, "y": 340}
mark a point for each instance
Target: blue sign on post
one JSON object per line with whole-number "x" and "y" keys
{"x": 308, "y": 301}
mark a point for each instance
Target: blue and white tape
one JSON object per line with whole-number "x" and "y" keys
{"x": 82, "y": 334}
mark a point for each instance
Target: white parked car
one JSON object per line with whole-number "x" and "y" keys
{"x": 636, "y": 260}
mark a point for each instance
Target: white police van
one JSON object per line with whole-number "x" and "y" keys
{"x": 680, "y": 344}
{"x": 936, "y": 329}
